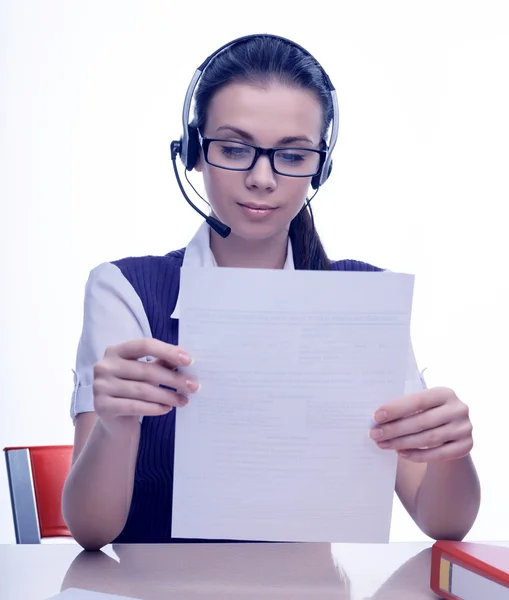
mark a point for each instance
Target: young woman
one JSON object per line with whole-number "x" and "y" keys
{"x": 259, "y": 93}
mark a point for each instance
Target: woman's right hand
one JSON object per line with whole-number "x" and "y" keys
{"x": 125, "y": 386}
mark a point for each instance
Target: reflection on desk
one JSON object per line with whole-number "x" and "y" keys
{"x": 397, "y": 571}
{"x": 210, "y": 571}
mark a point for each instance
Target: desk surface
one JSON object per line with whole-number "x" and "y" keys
{"x": 398, "y": 571}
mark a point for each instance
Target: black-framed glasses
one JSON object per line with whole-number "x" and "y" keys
{"x": 239, "y": 156}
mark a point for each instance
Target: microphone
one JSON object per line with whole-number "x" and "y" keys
{"x": 220, "y": 228}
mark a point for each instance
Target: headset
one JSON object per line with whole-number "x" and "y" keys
{"x": 188, "y": 147}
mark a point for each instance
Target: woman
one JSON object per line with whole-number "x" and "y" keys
{"x": 259, "y": 93}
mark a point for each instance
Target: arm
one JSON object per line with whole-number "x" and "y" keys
{"x": 436, "y": 480}
{"x": 98, "y": 491}
{"x": 443, "y": 498}
{"x": 114, "y": 388}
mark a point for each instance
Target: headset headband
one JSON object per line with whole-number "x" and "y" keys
{"x": 188, "y": 154}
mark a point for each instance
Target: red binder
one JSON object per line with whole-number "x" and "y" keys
{"x": 469, "y": 571}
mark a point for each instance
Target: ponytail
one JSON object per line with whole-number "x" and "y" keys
{"x": 308, "y": 251}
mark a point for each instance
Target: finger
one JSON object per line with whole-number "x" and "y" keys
{"x": 164, "y": 363}
{"x": 450, "y": 451}
{"x": 412, "y": 403}
{"x": 137, "y": 390}
{"x": 431, "y": 438}
{"x": 124, "y": 407}
{"x": 422, "y": 421}
{"x": 136, "y": 349}
{"x": 152, "y": 372}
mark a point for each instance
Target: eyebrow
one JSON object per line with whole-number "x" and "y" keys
{"x": 249, "y": 138}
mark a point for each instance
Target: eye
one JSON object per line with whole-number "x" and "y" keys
{"x": 234, "y": 151}
{"x": 297, "y": 161}
{"x": 292, "y": 157}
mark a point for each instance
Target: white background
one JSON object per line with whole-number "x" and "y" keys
{"x": 90, "y": 98}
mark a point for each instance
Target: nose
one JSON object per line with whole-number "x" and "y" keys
{"x": 261, "y": 176}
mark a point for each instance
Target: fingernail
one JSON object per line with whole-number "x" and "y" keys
{"x": 376, "y": 434}
{"x": 185, "y": 360}
{"x": 404, "y": 453}
{"x": 192, "y": 386}
{"x": 380, "y": 416}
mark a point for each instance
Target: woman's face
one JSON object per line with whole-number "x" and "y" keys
{"x": 268, "y": 116}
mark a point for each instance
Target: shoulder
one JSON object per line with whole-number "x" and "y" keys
{"x": 123, "y": 279}
{"x": 116, "y": 273}
{"x": 146, "y": 264}
{"x": 150, "y": 274}
{"x": 156, "y": 282}
{"x": 353, "y": 265}
{"x": 110, "y": 296}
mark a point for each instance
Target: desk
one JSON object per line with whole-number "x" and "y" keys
{"x": 397, "y": 571}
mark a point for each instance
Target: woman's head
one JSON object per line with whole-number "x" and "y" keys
{"x": 268, "y": 93}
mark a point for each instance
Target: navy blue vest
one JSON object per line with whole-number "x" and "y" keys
{"x": 156, "y": 280}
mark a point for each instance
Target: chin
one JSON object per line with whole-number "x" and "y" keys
{"x": 257, "y": 231}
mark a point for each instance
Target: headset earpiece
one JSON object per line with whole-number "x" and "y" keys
{"x": 330, "y": 170}
{"x": 193, "y": 148}
{"x": 315, "y": 181}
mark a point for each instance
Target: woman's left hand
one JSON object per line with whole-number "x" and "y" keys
{"x": 428, "y": 426}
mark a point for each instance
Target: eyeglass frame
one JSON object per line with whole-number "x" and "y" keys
{"x": 259, "y": 151}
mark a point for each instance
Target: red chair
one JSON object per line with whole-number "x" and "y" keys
{"x": 36, "y": 477}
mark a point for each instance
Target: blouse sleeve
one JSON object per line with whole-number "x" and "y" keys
{"x": 113, "y": 313}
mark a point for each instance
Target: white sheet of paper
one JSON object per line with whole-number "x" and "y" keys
{"x": 293, "y": 364}
{"x": 80, "y": 594}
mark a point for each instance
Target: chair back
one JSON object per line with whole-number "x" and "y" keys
{"x": 36, "y": 477}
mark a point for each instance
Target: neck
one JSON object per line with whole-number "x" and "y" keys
{"x": 233, "y": 251}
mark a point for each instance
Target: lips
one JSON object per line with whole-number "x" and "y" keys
{"x": 253, "y": 206}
